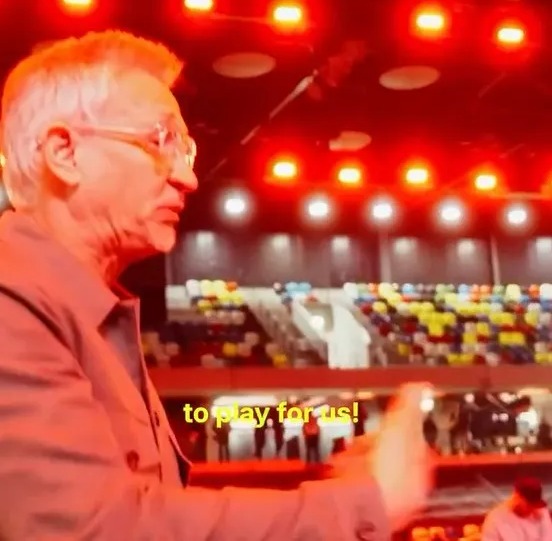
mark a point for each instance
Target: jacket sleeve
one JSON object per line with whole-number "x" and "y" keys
{"x": 63, "y": 476}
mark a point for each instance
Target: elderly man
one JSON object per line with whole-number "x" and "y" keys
{"x": 524, "y": 516}
{"x": 98, "y": 164}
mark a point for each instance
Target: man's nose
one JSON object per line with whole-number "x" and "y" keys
{"x": 183, "y": 176}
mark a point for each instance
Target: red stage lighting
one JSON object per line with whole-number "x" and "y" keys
{"x": 510, "y": 34}
{"x": 417, "y": 176}
{"x": 283, "y": 171}
{"x": 198, "y": 5}
{"x": 78, "y": 6}
{"x": 350, "y": 176}
{"x": 290, "y": 15}
{"x": 486, "y": 182}
{"x": 430, "y": 21}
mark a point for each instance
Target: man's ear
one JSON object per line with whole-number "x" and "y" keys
{"x": 58, "y": 148}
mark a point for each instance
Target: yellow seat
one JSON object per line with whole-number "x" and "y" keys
{"x": 385, "y": 290}
{"x": 204, "y": 305}
{"x": 236, "y": 298}
{"x": 465, "y": 309}
{"x": 224, "y": 296}
{"x": 471, "y": 532}
{"x": 541, "y": 357}
{"x": 280, "y": 360}
{"x": 532, "y": 318}
{"x": 448, "y": 319}
{"x": 379, "y": 307}
{"x": 508, "y": 319}
{"x": 482, "y": 328}
{"x": 427, "y": 307}
{"x": 420, "y": 534}
{"x": 469, "y": 338}
{"x": 454, "y": 359}
{"x": 394, "y": 298}
{"x": 425, "y": 318}
{"x": 219, "y": 287}
{"x": 229, "y": 349}
{"x": 483, "y": 308}
{"x": 466, "y": 358}
{"x": 518, "y": 339}
{"x": 451, "y": 299}
{"x": 437, "y": 532}
{"x": 435, "y": 329}
{"x": 495, "y": 318}
{"x": 206, "y": 288}
{"x": 403, "y": 349}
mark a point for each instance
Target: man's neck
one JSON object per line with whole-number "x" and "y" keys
{"x": 97, "y": 257}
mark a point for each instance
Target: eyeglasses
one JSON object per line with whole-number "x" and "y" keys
{"x": 166, "y": 139}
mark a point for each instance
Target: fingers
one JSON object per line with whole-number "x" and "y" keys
{"x": 405, "y": 410}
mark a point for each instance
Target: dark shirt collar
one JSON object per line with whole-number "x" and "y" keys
{"x": 85, "y": 292}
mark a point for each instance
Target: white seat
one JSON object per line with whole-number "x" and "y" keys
{"x": 208, "y": 360}
{"x": 252, "y": 338}
{"x": 172, "y": 349}
{"x": 512, "y": 293}
{"x": 193, "y": 288}
{"x": 237, "y": 317}
{"x": 545, "y": 292}
{"x": 351, "y": 290}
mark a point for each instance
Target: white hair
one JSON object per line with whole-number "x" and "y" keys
{"x": 70, "y": 80}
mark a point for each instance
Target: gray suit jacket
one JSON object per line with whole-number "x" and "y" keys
{"x": 86, "y": 451}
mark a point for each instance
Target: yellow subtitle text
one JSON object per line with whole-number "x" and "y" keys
{"x": 260, "y": 415}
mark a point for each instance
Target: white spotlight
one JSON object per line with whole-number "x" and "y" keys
{"x": 383, "y": 210}
{"x": 517, "y": 215}
{"x": 451, "y": 212}
{"x": 318, "y": 208}
{"x": 235, "y": 205}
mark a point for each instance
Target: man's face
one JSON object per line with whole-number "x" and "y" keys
{"x": 130, "y": 191}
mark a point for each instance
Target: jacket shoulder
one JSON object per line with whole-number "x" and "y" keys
{"x": 22, "y": 280}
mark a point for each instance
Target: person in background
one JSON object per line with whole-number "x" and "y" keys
{"x": 311, "y": 433}
{"x": 523, "y": 517}
{"x": 99, "y": 162}
{"x": 222, "y": 436}
{"x": 259, "y": 438}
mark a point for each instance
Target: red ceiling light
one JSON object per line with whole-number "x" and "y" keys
{"x": 283, "y": 171}
{"x": 510, "y": 34}
{"x": 417, "y": 175}
{"x": 288, "y": 14}
{"x": 350, "y": 176}
{"x": 78, "y": 6}
{"x": 430, "y": 21}
{"x": 486, "y": 182}
{"x": 198, "y": 5}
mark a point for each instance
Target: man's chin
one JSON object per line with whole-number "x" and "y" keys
{"x": 158, "y": 239}
{"x": 163, "y": 240}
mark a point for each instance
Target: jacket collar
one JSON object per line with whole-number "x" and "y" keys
{"x": 84, "y": 291}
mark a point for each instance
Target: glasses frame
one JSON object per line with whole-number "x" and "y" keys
{"x": 154, "y": 141}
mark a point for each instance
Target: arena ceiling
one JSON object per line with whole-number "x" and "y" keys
{"x": 252, "y": 90}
